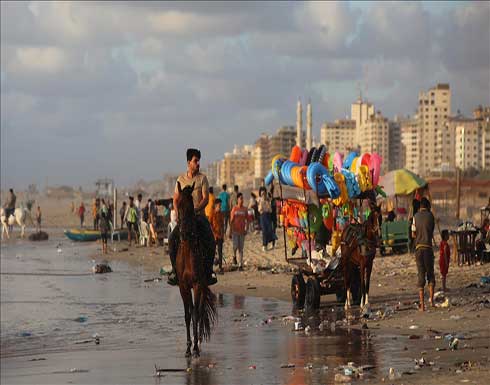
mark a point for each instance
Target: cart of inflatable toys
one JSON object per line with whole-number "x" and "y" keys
{"x": 321, "y": 193}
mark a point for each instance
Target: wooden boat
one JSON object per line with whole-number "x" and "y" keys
{"x": 83, "y": 235}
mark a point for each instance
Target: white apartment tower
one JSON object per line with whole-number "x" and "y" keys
{"x": 361, "y": 110}
{"x": 410, "y": 144}
{"x": 374, "y": 137}
{"x": 262, "y": 156}
{"x": 339, "y": 135}
{"x": 434, "y": 109}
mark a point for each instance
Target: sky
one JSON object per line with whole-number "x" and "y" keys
{"x": 121, "y": 89}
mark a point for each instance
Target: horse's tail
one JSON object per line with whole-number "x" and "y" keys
{"x": 207, "y": 313}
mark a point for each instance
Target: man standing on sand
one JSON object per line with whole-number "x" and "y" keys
{"x": 122, "y": 213}
{"x": 224, "y": 197}
{"x": 131, "y": 219}
{"x": 10, "y": 204}
{"x": 200, "y": 197}
{"x": 238, "y": 228}
{"x": 423, "y": 232}
{"x": 234, "y": 197}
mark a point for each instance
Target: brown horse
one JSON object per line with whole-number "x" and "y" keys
{"x": 199, "y": 300}
{"x": 358, "y": 247}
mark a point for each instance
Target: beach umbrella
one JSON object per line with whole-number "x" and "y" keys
{"x": 401, "y": 182}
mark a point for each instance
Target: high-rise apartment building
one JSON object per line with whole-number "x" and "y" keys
{"x": 471, "y": 139}
{"x": 339, "y": 135}
{"x": 468, "y": 142}
{"x": 410, "y": 144}
{"x": 482, "y": 115}
{"x": 283, "y": 141}
{"x": 262, "y": 156}
{"x": 361, "y": 110}
{"x": 237, "y": 162}
{"x": 433, "y": 112}
{"x": 394, "y": 160}
{"x": 212, "y": 173}
{"x": 374, "y": 137}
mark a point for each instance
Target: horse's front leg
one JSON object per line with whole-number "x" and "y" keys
{"x": 369, "y": 269}
{"x": 187, "y": 299}
{"x": 362, "y": 271}
{"x": 348, "y": 299}
{"x": 195, "y": 322}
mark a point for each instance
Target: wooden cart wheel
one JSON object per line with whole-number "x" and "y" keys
{"x": 298, "y": 291}
{"x": 312, "y": 300}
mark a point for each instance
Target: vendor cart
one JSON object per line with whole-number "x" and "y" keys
{"x": 320, "y": 270}
{"x": 319, "y": 193}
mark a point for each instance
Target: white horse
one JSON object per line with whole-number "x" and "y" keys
{"x": 19, "y": 217}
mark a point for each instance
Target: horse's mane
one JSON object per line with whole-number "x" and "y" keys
{"x": 188, "y": 230}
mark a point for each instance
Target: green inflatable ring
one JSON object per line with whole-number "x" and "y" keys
{"x": 315, "y": 218}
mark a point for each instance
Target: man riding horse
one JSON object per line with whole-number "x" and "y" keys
{"x": 200, "y": 197}
{"x": 10, "y": 204}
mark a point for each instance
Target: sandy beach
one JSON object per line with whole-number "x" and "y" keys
{"x": 422, "y": 336}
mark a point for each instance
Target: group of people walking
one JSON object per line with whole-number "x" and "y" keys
{"x": 139, "y": 219}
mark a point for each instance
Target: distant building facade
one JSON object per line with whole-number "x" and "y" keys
{"x": 482, "y": 115}
{"x": 373, "y": 137}
{"x": 212, "y": 172}
{"x": 410, "y": 144}
{"x": 338, "y": 135}
{"x": 283, "y": 141}
{"x": 395, "y": 159}
{"x": 262, "y": 156}
{"x": 104, "y": 187}
{"x": 240, "y": 161}
{"x": 433, "y": 111}
{"x": 361, "y": 110}
{"x": 471, "y": 140}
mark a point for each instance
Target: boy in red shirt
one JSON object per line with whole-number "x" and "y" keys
{"x": 444, "y": 256}
{"x": 238, "y": 225}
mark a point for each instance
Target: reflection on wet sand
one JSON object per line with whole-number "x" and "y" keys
{"x": 141, "y": 325}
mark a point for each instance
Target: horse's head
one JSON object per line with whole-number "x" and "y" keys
{"x": 373, "y": 223}
{"x": 185, "y": 208}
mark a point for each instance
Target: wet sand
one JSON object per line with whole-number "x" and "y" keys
{"x": 393, "y": 293}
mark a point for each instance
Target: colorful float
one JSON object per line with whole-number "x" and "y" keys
{"x": 330, "y": 191}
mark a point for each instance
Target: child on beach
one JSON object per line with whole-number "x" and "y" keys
{"x": 38, "y": 219}
{"x": 218, "y": 226}
{"x": 444, "y": 255}
{"x": 81, "y": 214}
{"x": 104, "y": 227}
{"x": 131, "y": 219}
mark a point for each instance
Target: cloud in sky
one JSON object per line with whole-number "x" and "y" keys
{"x": 121, "y": 89}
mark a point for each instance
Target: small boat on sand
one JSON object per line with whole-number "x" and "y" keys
{"x": 83, "y": 235}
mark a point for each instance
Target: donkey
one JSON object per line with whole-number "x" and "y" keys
{"x": 358, "y": 247}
